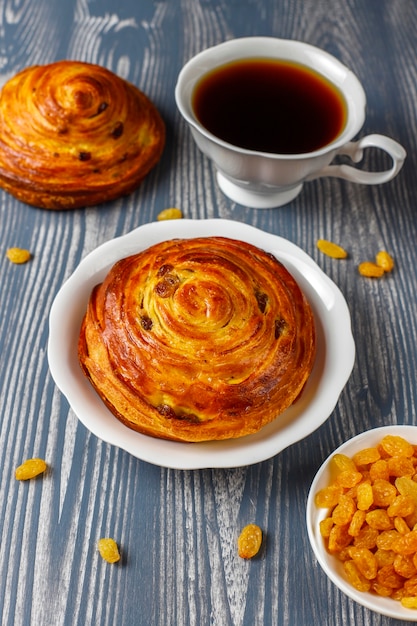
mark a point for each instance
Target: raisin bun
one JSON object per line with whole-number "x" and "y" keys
{"x": 74, "y": 134}
{"x": 198, "y": 339}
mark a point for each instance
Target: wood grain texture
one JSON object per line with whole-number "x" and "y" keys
{"x": 177, "y": 529}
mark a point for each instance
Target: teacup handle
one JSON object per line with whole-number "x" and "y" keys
{"x": 354, "y": 150}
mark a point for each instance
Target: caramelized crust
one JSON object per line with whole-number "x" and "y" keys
{"x": 74, "y": 134}
{"x": 198, "y": 339}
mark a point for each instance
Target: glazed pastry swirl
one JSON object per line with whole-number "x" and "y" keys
{"x": 198, "y": 339}
{"x": 74, "y": 134}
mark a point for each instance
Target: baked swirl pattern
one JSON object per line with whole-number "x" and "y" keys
{"x": 74, "y": 134}
{"x": 198, "y": 339}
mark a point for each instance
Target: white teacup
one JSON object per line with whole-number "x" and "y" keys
{"x": 265, "y": 179}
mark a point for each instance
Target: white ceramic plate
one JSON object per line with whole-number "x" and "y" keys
{"x": 331, "y": 564}
{"x": 334, "y": 361}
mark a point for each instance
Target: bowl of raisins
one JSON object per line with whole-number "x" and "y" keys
{"x": 362, "y": 520}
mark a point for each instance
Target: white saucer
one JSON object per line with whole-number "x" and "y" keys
{"x": 333, "y": 366}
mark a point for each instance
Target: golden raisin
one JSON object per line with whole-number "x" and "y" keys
{"x": 380, "y": 590}
{"x": 379, "y": 469}
{"x": 355, "y": 577}
{"x": 398, "y": 594}
{"x": 331, "y": 249}
{"x": 339, "y": 538}
{"x": 18, "y": 255}
{"x": 371, "y": 270}
{"x": 404, "y": 566}
{"x": 395, "y": 445}
{"x": 343, "y": 555}
{"x": 403, "y": 505}
{"x": 326, "y": 525}
{"x": 249, "y": 541}
{"x": 349, "y": 478}
{"x": 384, "y": 557}
{"x": 366, "y": 538}
{"x": 384, "y": 492}
{"x": 400, "y": 466}
{"x": 356, "y": 523}
{"x": 388, "y": 577}
{"x": 366, "y": 456}
{"x": 344, "y": 510}
{"x": 387, "y": 538}
{"x": 108, "y": 549}
{"x": 365, "y": 496}
{"x": 407, "y": 486}
{"x": 30, "y": 468}
{"x": 171, "y": 213}
{"x": 343, "y": 463}
{"x": 409, "y": 602}
{"x": 365, "y": 561}
{"x": 401, "y": 525}
{"x": 379, "y": 519}
{"x": 328, "y": 496}
{"x": 410, "y": 586}
{"x": 384, "y": 260}
{"x": 406, "y": 544}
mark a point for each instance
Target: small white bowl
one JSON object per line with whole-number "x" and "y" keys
{"x": 330, "y": 564}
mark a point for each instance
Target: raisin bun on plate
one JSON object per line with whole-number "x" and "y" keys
{"x": 198, "y": 339}
{"x": 74, "y": 134}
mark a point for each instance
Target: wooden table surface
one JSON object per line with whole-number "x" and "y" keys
{"x": 177, "y": 528}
